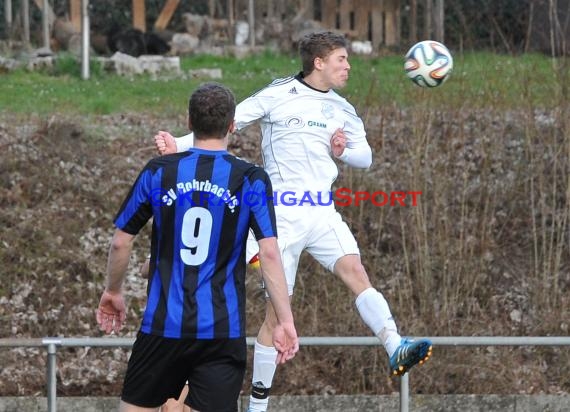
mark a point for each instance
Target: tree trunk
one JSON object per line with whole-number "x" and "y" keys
{"x": 439, "y": 21}
{"x": 251, "y": 21}
{"x": 428, "y": 19}
{"x": 529, "y": 27}
{"x": 413, "y": 21}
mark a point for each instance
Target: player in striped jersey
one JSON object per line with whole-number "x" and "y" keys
{"x": 305, "y": 126}
{"x": 203, "y": 203}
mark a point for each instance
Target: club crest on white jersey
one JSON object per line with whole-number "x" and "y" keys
{"x": 327, "y": 110}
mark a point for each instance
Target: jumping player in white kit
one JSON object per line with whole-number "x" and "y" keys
{"x": 305, "y": 124}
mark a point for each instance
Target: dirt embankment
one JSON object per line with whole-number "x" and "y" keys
{"x": 485, "y": 252}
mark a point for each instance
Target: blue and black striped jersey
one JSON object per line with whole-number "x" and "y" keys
{"x": 203, "y": 204}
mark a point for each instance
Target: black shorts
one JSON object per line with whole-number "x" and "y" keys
{"x": 159, "y": 367}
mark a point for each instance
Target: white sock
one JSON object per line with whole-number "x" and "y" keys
{"x": 391, "y": 340}
{"x": 264, "y": 366}
{"x": 375, "y": 312}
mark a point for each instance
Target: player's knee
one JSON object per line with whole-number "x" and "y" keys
{"x": 355, "y": 269}
{"x": 353, "y": 274}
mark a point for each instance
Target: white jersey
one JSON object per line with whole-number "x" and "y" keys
{"x": 297, "y": 123}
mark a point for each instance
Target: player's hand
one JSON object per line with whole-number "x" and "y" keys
{"x": 111, "y": 312}
{"x": 338, "y": 142}
{"x": 165, "y": 143}
{"x": 285, "y": 341}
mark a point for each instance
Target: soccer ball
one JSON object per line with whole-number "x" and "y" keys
{"x": 428, "y": 63}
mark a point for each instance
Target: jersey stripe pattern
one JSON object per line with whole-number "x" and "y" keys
{"x": 203, "y": 204}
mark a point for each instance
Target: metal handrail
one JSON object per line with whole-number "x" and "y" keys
{"x": 51, "y": 343}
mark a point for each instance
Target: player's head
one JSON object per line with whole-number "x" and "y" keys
{"x": 211, "y": 111}
{"x": 325, "y": 52}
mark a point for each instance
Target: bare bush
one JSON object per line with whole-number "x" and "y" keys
{"x": 484, "y": 252}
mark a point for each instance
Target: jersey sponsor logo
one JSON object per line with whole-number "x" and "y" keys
{"x": 293, "y": 91}
{"x": 294, "y": 122}
{"x": 312, "y": 123}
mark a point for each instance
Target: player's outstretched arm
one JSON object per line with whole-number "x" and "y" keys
{"x": 285, "y": 337}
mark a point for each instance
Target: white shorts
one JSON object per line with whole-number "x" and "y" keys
{"x": 318, "y": 230}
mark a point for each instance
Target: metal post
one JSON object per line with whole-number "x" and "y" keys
{"x": 85, "y": 43}
{"x": 51, "y": 377}
{"x": 52, "y": 344}
{"x": 45, "y": 24}
{"x": 8, "y": 18}
{"x": 404, "y": 393}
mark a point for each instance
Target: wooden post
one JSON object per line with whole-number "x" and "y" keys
{"x": 439, "y": 21}
{"x": 75, "y": 13}
{"x": 328, "y": 11}
{"x": 396, "y": 22}
{"x": 166, "y": 14}
{"x": 427, "y": 19}
{"x": 377, "y": 18}
{"x": 413, "y": 21}
{"x": 362, "y": 19}
{"x": 392, "y": 25}
{"x": 345, "y": 9}
{"x": 309, "y": 9}
{"x": 212, "y": 8}
{"x": 251, "y": 21}
{"x": 139, "y": 15}
{"x": 231, "y": 20}
{"x": 231, "y": 14}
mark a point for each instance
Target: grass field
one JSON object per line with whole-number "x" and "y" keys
{"x": 478, "y": 80}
